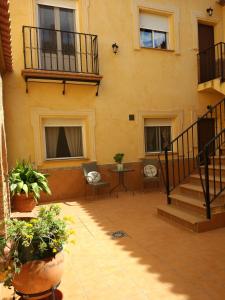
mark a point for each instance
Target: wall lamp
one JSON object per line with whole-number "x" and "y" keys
{"x": 209, "y": 11}
{"x": 115, "y": 48}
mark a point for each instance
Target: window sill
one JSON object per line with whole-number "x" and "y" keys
{"x": 158, "y": 49}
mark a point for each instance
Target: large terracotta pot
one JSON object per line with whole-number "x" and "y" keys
{"x": 39, "y": 275}
{"x": 22, "y": 203}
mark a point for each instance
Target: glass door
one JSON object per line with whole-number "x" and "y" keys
{"x": 57, "y": 38}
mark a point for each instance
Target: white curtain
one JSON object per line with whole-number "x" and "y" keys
{"x": 51, "y": 135}
{"x": 74, "y": 141}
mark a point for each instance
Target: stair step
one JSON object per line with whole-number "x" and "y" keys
{"x": 211, "y": 178}
{"x": 188, "y": 200}
{"x": 197, "y": 188}
{"x": 181, "y": 217}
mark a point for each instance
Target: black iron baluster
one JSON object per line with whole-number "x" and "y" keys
{"x": 182, "y": 137}
{"x": 24, "y": 47}
{"x": 81, "y": 67}
{"x": 178, "y": 161}
{"x": 68, "y": 45}
{"x": 173, "y": 171}
{"x": 220, "y": 170}
{"x": 57, "y": 52}
{"x": 207, "y": 195}
{"x": 92, "y": 63}
{"x": 86, "y": 55}
{"x": 31, "y": 50}
{"x": 221, "y": 61}
{"x": 188, "y": 154}
{"x": 75, "y": 52}
{"x": 37, "y": 44}
{"x": 214, "y": 175}
{"x": 167, "y": 176}
{"x": 193, "y": 149}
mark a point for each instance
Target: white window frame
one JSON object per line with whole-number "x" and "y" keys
{"x": 51, "y": 122}
{"x": 157, "y": 123}
{"x": 153, "y": 31}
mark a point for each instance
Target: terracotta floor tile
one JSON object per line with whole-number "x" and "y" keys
{"x": 157, "y": 261}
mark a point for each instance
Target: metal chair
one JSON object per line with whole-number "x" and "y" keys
{"x": 147, "y": 179}
{"x": 89, "y": 167}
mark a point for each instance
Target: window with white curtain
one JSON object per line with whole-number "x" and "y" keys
{"x": 154, "y": 30}
{"x": 64, "y": 142}
{"x": 157, "y": 134}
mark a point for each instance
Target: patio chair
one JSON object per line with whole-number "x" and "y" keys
{"x": 93, "y": 178}
{"x": 151, "y": 173}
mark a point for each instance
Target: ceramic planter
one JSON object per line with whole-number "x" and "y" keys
{"x": 22, "y": 203}
{"x": 39, "y": 275}
{"x": 120, "y": 167}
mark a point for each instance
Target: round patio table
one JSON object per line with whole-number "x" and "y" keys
{"x": 121, "y": 182}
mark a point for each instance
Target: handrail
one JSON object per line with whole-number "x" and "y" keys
{"x": 211, "y": 63}
{"x": 182, "y": 154}
{"x": 211, "y": 192}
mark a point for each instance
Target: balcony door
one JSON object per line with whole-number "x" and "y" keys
{"x": 57, "y": 41}
{"x": 207, "y": 57}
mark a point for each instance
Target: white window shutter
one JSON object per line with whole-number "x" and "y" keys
{"x": 154, "y": 22}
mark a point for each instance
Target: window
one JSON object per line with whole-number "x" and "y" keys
{"x": 154, "y": 31}
{"x": 157, "y": 134}
{"x": 64, "y": 142}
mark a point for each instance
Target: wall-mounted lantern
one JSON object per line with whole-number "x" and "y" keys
{"x": 115, "y": 48}
{"x": 209, "y": 11}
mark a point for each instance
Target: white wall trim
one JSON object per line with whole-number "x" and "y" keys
{"x": 197, "y": 16}
{"x": 175, "y": 115}
{"x": 39, "y": 114}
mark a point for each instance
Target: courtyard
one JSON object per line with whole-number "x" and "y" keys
{"x": 154, "y": 260}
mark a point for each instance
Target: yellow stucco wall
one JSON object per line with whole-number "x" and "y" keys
{"x": 143, "y": 82}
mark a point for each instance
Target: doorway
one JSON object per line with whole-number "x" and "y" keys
{"x": 207, "y": 61}
{"x": 206, "y": 131}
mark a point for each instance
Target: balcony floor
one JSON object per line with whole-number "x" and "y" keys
{"x": 157, "y": 260}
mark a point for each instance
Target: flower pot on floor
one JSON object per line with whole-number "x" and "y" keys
{"x": 39, "y": 275}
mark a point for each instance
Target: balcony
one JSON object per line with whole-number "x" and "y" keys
{"x": 60, "y": 55}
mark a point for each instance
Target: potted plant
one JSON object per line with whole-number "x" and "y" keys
{"x": 34, "y": 247}
{"x": 26, "y": 184}
{"x": 118, "y": 158}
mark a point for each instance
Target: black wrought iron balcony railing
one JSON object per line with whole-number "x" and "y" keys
{"x": 211, "y": 63}
{"x": 57, "y": 50}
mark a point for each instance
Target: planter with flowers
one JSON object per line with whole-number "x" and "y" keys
{"x": 32, "y": 256}
{"x": 118, "y": 158}
{"x": 26, "y": 184}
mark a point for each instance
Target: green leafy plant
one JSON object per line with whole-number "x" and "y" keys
{"x": 38, "y": 238}
{"x": 24, "y": 178}
{"x": 118, "y": 157}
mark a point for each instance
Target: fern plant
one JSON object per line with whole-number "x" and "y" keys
{"x": 24, "y": 179}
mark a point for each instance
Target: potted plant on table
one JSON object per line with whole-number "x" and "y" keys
{"x": 26, "y": 183}
{"x": 118, "y": 158}
{"x": 32, "y": 256}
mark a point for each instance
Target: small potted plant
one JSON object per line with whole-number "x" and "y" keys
{"x": 26, "y": 184}
{"x": 118, "y": 158}
{"x": 34, "y": 247}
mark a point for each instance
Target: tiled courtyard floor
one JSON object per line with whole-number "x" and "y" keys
{"x": 157, "y": 260}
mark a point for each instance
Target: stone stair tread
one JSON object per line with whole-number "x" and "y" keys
{"x": 217, "y": 178}
{"x": 195, "y": 187}
{"x": 189, "y": 200}
{"x": 180, "y": 214}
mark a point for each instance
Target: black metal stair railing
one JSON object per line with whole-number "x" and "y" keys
{"x": 210, "y": 170}
{"x": 182, "y": 155}
{"x": 211, "y": 63}
{"x": 57, "y": 50}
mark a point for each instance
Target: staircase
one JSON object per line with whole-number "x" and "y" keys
{"x": 194, "y": 176}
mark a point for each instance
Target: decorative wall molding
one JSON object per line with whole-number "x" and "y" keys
{"x": 137, "y": 5}
{"x": 39, "y": 114}
{"x": 177, "y": 117}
